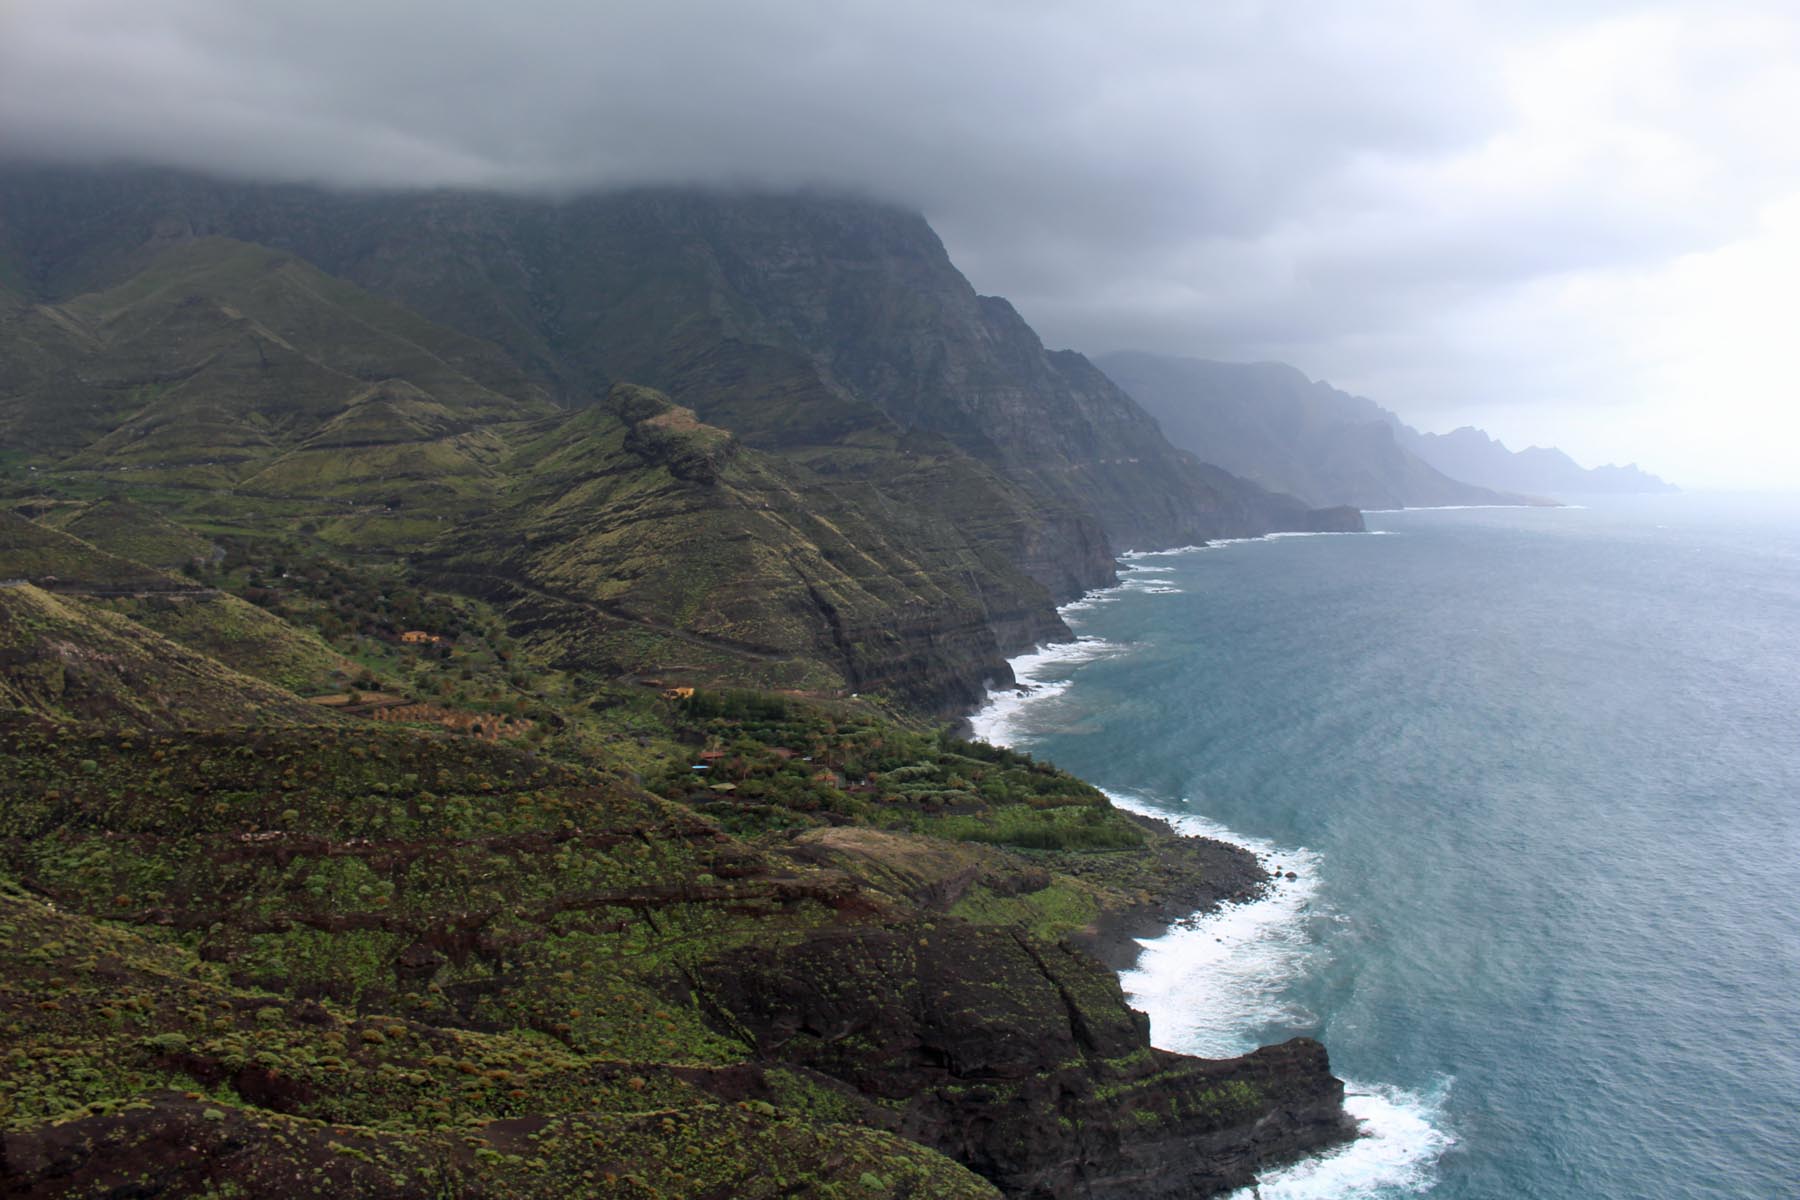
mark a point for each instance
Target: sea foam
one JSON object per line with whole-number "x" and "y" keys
{"x": 998, "y": 722}
{"x": 1135, "y": 556}
{"x": 1216, "y": 983}
{"x": 1213, "y": 983}
{"x": 1472, "y": 507}
{"x": 1397, "y": 1155}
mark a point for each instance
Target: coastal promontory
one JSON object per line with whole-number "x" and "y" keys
{"x": 477, "y": 679}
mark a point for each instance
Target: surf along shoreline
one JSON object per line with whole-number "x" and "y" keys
{"x": 1227, "y": 907}
{"x": 1209, "y": 874}
{"x": 1193, "y": 876}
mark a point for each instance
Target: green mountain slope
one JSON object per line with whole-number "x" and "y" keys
{"x": 139, "y": 532}
{"x": 152, "y": 1064}
{"x": 729, "y": 303}
{"x": 216, "y": 624}
{"x": 54, "y": 558}
{"x": 816, "y": 570}
{"x": 438, "y": 948}
{"x": 636, "y": 536}
{"x": 67, "y": 661}
{"x": 243, "y": 637}
{"x": 219, "y": 364}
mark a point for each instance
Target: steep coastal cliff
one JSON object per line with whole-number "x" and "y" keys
{"x": 616, "y": 850}
{"x": 796, "y": 321}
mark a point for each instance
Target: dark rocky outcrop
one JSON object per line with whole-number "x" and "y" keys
{"x": 1034, "y": 1073}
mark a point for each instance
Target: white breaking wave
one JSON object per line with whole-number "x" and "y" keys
{"x": 1464, "y": 507}
{"x": 1214, "y": 983}
{"x": 1294, "y": 533}
{"x": 1135, "y": 556}
{"x": 1087, "y": 601}
{"x": 1396, "y": 1156}
{"x": 997, "y": 722}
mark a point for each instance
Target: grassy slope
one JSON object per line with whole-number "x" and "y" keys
{"x": 41, "y": 554}
{"x": 243, "y": 637}
{"x": 139, "y": 532}
{"x": 222, "y": 364}
{"x": 505, "y": 944}
{"x": 67, "y": 661}
{"x": 646, "y": 539}
{"x": 431, "y": 943}
{"x": 95, "y": 582}
{"x": 509, "y": 943}
{"x": 143, "y": 1069}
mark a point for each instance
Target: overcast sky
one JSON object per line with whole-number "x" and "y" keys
{"x": 1569, "y": 223}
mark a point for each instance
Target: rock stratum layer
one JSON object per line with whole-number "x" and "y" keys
{"x": 515, "y": 775}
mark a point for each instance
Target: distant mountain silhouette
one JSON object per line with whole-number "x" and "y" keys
{"x": 1468, "y": 453}
{"x": 1271, "y": 424}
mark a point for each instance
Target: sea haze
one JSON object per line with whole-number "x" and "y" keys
{"x": 1537, "y": 775}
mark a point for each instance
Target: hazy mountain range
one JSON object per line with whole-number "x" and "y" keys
{"x": 1468, "y": 453}
{"x": 1269, "y": 423}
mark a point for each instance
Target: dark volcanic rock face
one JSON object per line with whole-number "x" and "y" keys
{"x": 1034, "y": 1072}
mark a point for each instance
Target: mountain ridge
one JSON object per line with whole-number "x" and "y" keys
{"x": 689, "y": 292}
{"x": 1477, "y": 455}
{"x": 1272, "y": 424}
{"x": 631, "y": 554}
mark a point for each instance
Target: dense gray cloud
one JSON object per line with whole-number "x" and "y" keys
{"x": 1354, "y": 187}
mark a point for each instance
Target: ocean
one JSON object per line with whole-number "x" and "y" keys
{"x": 1537, "y": 774}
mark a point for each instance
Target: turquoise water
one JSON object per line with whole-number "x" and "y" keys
{"x": 1537, "y": 773}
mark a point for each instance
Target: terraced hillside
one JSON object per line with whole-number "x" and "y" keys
{"x": 634, "y": 534}
{"x": 249, "y": 940}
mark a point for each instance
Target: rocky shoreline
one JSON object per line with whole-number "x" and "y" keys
{"x": 1205, "y": 875}
{"x": 1181, "y": 879}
